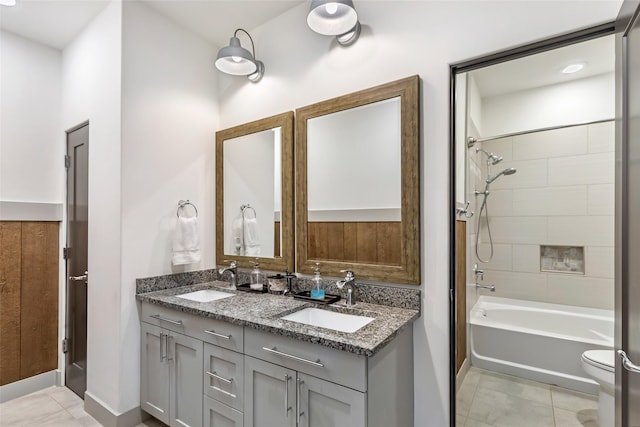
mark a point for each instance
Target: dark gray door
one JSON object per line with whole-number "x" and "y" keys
{"x": 76, "y": 255}
{"x": 628, "y": 215}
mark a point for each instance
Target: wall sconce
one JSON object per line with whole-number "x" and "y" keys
{"x": 238, "y": 61}
{"x": 335, "y": 18}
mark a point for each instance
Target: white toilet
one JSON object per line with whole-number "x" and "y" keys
{"x": 600, "y": 366}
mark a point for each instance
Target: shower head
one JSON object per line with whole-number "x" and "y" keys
{"x": 493, "y": 158}
{"x": 508, "y": 171}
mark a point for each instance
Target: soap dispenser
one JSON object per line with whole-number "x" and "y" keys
{"x": 317, "y": 291}
{"x": 257, "y": 277}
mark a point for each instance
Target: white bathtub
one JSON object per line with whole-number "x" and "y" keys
{"x": 539, "y": 341}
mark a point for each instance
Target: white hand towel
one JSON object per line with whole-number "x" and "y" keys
{"x": 186, "y": 241}
{"x": 251, "y": 239}
{"x": 235, "y": 244}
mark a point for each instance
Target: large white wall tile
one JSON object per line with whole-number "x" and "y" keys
{"x": 550, "y": 201}
{"x": 517, "y": 285}
{"x": 590, "y": 168}
{"x": 499, "y": 202}
{"x": 529, "y": 173}
{"x": 501, "y": 147}
{"x": 601, "y": 199}
{"x": 581, "y": 230}
{"x": 531, "y": 230}
{"x": 526, "y": 258}
{"x": 602, "y": 137}
{"x": 580, "y": 290}
{"x": 569, "y": 141}
{"x": 600, "y": 261}
{"x": 501, "y": 257}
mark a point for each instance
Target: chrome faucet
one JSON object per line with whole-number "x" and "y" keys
{"x": 350, "y": 282}
{"x": 480, "y": 273}
{"x": 233, "y": 269}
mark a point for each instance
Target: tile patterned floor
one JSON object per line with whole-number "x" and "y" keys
{"x": 490, "y": 399}
{"x": 52, "y": 407}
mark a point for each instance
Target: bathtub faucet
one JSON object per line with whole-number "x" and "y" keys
{"x": 490, "y": 288}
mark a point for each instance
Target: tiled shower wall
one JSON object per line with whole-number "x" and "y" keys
{"x": 562, "y": 194}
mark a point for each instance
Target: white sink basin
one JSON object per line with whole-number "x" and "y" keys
{"x": 205, "y": 295}
{"x": 329, "y": 319}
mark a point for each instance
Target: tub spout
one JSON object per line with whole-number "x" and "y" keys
{"x": 490, "y": 288}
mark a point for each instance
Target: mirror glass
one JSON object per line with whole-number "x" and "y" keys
{"x": 357, "y": 189}
{"x": 254, "y": 193}
{"x": 353, "y": 182}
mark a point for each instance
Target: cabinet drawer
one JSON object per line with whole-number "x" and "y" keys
{"x": 213, "y": 331}
{"x": 219, "y": 414}
{"x": 224, "y": 375}
{"x": 333, "y": 365}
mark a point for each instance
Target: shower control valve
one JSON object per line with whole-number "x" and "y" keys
{"x": 477, "y": 272}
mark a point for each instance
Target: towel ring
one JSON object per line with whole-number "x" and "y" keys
{"x": 182, "y": 204}
{"x": 245, "y": 207}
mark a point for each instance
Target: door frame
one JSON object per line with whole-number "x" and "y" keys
{"x": 466, "y": 66}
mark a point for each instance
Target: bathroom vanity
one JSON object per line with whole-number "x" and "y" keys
{"x": 235, "y": 362}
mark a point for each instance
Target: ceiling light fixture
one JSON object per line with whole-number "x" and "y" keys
{"x": 7, "y": 2}
{"x": 335, "y": 18}
{"x": 572, "y": 68}
{"x": 238, "y": 61}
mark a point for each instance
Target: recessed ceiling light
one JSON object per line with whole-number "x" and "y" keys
{"x": 7, "y": 2}
{"x": 572, "y": 68}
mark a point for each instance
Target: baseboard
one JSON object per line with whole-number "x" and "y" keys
{"x": 462, "y": 373}
{"x": 28, "y": 385}
{"x": 107, "y": 418}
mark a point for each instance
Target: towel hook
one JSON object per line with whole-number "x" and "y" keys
{"x": 245, "y": 207}
{"x": 182, "y": 204}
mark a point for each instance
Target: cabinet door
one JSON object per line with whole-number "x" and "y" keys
{"x": 325, "y": 404}
{"x": 270, "y": 394}
{"x": 224, "y": 376}
{"x": 154, "y": 372}
{"x": 185, "y": 358}
{"x": 218, "y": 414}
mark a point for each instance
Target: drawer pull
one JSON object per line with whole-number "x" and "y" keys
{"x": 218, "y": 377}
{"x": 224, "y": 392}
{"x": 216, "y": 334}
{"x": 287, "y": 408}
{"x": 159, "y": 317}
{"x": 274, "y": 350}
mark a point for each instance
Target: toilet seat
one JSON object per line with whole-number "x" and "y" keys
{"x": 603, "y": 359}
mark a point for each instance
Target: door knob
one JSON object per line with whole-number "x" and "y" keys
{"x": 628, "y": 364}
{"x": 82, "y": 278}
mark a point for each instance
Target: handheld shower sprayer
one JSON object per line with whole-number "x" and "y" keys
{"x": 508, "y": 171}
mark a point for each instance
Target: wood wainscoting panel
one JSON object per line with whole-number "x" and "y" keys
{"x": 461, "y": 293}
{"x": 39, "y": 298}
{"x": 10, "y": 259}
{"x": 364, "y": 242}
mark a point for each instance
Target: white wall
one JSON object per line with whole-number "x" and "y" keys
{"x": 579, "y": 101}
{"x": 169, "y": 118}
{"x": 91, "y": 91}
{"x": 31, "y": 148}
{"x": 401, "y": 39}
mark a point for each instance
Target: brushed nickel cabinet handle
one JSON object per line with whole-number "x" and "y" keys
{"x": 219, "y": 335}
{"x": 218, "y": 377}
{"x": 274, "y": 350}
{"x": 164, "y": 319}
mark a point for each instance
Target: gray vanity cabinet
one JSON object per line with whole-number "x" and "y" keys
{"x": 171, "y": 376}
{"x": 270, "y": 398}
{"x": 323, "y": 404}
{"x": 218, "y": 414}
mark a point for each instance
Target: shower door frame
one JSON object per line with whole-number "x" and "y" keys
{"x": 463, "y": 67}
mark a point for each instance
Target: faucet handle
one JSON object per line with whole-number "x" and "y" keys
{"x": 232, "y": 262}
{"x": 349, "y": 276}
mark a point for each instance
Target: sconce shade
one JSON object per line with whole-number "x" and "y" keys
{"x": 235, "y": 60}
{"x": 331, "y": 17}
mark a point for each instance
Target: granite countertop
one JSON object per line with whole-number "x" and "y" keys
{"x": 263, "y": 312}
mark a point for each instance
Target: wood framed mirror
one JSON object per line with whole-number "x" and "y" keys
{"x": 254, "y": 193}
{"x": 357, "y": 184}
